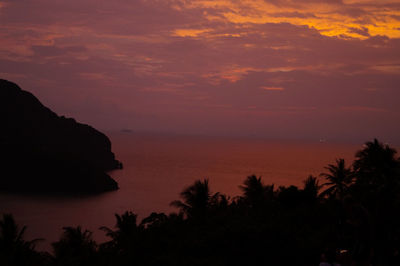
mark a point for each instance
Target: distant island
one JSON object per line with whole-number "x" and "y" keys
{"x": 44, "y": 152}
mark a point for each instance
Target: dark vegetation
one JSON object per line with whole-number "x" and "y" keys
{"x": 351, "y": 217}
{"x": 42, "y": 152}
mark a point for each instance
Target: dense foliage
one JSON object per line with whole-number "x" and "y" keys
{"x": 350, "y": 218}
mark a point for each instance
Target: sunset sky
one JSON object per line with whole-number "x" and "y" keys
{"x": 296, "y": 69}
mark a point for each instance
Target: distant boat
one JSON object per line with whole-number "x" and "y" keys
{"x": 126, "y": 130}
{"x": 322, "y": 140}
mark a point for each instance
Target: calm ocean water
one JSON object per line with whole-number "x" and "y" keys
{"x": 157, "y": 168}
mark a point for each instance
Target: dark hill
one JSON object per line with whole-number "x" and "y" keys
{"x": 42, "y": 152}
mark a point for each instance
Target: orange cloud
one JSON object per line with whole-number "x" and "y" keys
{"x": 189, "y": 32}
{"x": 348, "y": 19}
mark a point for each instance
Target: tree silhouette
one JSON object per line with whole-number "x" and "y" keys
{"x": 196, "y": 199}
{"x": 358, "y": 225}
{"x": 14, "y": 250}
{"x": 154, "y": 220}
{"x": 254, "y": 191}
{"x": 219, "y": 201}
{"x": 124, "y": 238}
{"x": 377, "y": 187}
{"x": 75, "y": 247}
{"x": 376, "y": 165}
{"x": 311, "y": 188}
{"x": 289, "y": 196}
{"x": 339, "y": 179}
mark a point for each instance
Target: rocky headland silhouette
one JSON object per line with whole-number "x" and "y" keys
{"x": 43, "y": 152}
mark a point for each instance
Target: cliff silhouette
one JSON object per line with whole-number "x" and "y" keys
{"x": 44, "y": 152}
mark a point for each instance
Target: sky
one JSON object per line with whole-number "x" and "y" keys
{"x": 287, "y": 69}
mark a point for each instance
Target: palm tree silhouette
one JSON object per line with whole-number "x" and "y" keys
{"x": 220, "y": 201}
{"x": 376, "y": 164}
{"x": 14, "y": 250}
{"x": 339, "y": 179}
{"x": 9, "y": 232}
{"x": 75, "y": 247}
{"x": 196, "y": 199}
{"x": 311, "y": 188}
{"x": 125, "y": 235}
{"x": 255, "y": 192}
{"x": 154, "y": 220}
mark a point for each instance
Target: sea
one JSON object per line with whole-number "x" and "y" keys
{"x": 158, "y": 167}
